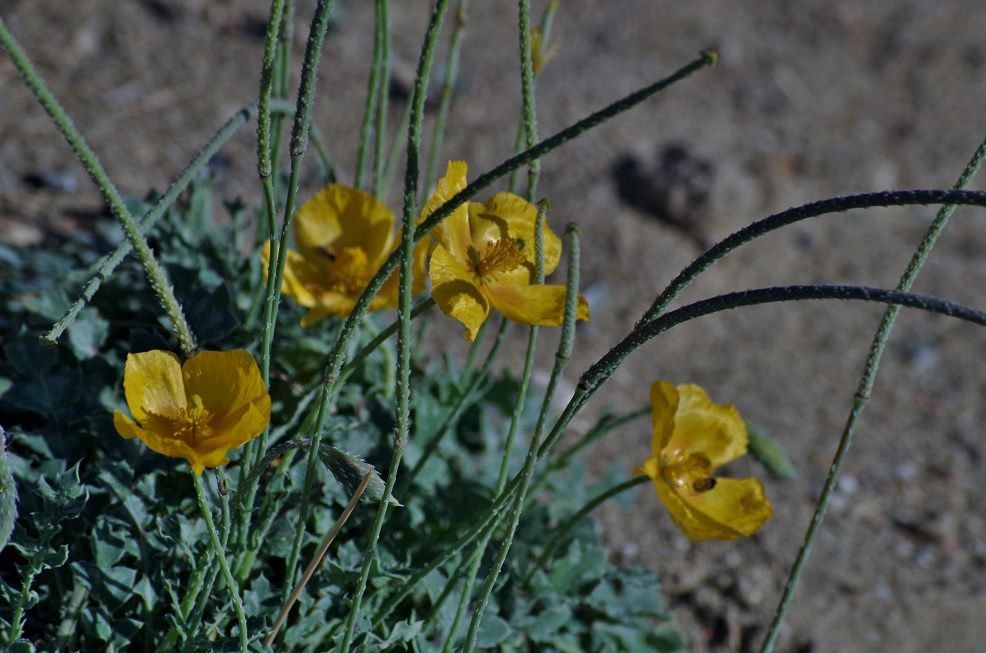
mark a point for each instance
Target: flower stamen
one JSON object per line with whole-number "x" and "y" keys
{"x": 502, "y": 255}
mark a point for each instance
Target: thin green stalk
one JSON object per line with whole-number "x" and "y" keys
{"x": 17, "y": 618}
{"x": 305, "y": 507}
{"x": 155, "y": 273}
{"x": 335, "y": 359}
{"x": 466, "y": 397}
{"x": 371, "y": 109}
{"x": 299, "y": 145}
{"x": 527, "y": 129}
{"x": 448, "y": 91}
{"x": 264, "y": 163}
{"x": 862, "y": 397}
{"x": 604, "y": 368}
{"x": 475, "y": 560}
{"x": 515, "y": 418}
{"x": 405, "y": 253}
{"x": 217, "y": 547}
{"x": 527, "y": 93}
{"x": 383, "y": 103}
{"x": 109, "y": 263}
{"x": 395, "y": 156}
{"x": 265, "y": 518}
{"x": 790, "y": 216}
{"x": 379, "y": 339}
{"x": 282, "y": 77}
{"x": 525, "y": 378}
{"x": 194, "y": 620}
{"x": 562, "y": 356}
{"x": 604, "y": 427}
{"x": 481, "y": 529}
{"x": 559, "y": 534}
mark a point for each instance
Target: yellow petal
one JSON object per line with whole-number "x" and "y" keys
{"x": 535, "y": 305}
{"x": 232, "y": 391}
{"x": 515, "y": 217}
{"x": 300, "y": 276}
{"x": 124, "y": 425}
{"x": 703, "y": 427}
{"x": 663, "y": 406}
{"x": 152, "y": 384}
{"x": 338, "y": 216}
{"x": 454, "y": 292}
{"x": 448, "y": 186}
{"x": 733, "y": 508}
{"x": 387, "y": 297}
{"x": 452, "y": 233}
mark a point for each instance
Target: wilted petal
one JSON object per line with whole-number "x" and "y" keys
{"x": 701, "y": 426}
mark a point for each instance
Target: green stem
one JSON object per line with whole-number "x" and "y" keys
{"x": 527, "y": 93}
{"x": 606, "y": 425}
{"x": 305, "y": 507}
{"x": 299, "y": 144}
{"x": 604, "y": 368}
{"x": 475, "y": 560}
{"x": 383, "y": 101}
{"x": 560, "y": 533}
{"x": 448, "y": 91}
{"x": 335, "y": 358}
{"x": 371, "y": 109}
{"x": 217, "y": 547}
{"x": 17, "y": 619}
{"x": 466, "y": 397}
{"x": 109, "y": 263}
{"x": 264, "y": 162}
{"x": 790, "y": 216}
{"x": 379, "y": 339}
{"x": 155, "y": 273}
{"x": 862, "y": 397}
{"x": 483, "y": 528}
{"x": 282, "y": 77}
{"x": 405, "y": 253}
{"x": 562, "y": 356}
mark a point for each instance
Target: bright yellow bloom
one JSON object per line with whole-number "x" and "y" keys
{"x": 692, "y": 437}
{"x": 343, "y": 236}
{"x": 484, "y": 260}
{"x": 198, "y": 411}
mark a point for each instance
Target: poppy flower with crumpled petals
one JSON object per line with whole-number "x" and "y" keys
{"x": 692, "y": 437}
{"x": 198, "y": 411}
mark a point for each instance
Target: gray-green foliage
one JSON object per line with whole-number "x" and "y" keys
{"x": 109, "y": 535}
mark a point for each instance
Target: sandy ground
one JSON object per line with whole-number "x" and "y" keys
{"x": 810, "y": 100}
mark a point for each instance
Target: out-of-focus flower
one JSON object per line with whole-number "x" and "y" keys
{"x": 198, "y": 411}
{"x": 692, "y": 437}
{"x": 542, "y": 52}
{"x": 343, "y": 236}
{"x": 484, "y": 259}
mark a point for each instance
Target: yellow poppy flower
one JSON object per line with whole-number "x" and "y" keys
{"x": 198, "y": 411}
{"x": 343, "y": 236}
{"x": 484, "y": 260}
{"x": 692, "y": 437}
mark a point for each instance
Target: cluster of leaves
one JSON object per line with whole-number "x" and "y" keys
{"x": 109, "y": 537}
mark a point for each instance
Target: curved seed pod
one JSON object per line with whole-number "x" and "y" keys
{"x": 350, "y": 471}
